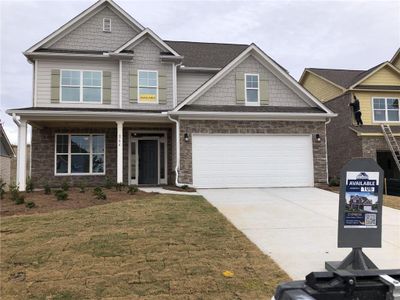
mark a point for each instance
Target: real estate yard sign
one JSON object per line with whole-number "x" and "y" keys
{"x": 360, "y": 207}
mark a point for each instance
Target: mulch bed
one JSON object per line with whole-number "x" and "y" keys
{"x": 48, "y": 203}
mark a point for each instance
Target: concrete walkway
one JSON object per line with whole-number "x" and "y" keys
{"x": 297, "y": 227}
{"x": 161, "y": 190}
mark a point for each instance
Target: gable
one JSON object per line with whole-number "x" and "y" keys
{"x": 396, "y": 63}
{"x": 224, "y": 91}
{"x": 396, "y": 59}
{"x": 146, "y": 34}
{"x": 320, "y": 88}
{"x": 384, "y": 76}
{"x": 90, "y": 36}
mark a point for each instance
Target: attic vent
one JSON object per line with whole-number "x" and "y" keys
{"x": 106, "y": 25}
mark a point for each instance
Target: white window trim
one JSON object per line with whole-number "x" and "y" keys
{"x": 104, "y": 21}
{"x": 138, "y": 86}
{"x": 246, "y": 88}
{"x": 81, "y": 87}
{"x": 135, "y": 140}
{"x": 69, "y": 154}
{"x": 386, "y": 109}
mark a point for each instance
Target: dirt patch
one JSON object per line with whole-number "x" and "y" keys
{"x": 48, "y": 203}
{"x": 179, "y": 189}
{"x": 155, "y": 247}
{"x": 391, "y": 201}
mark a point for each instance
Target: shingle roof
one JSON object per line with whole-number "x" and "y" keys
{"x": 343, "y": 77}
{"x": 206, "y": 55}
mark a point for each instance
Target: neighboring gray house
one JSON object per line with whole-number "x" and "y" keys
{"x": 6, "y": 156}
{"x": 112, "y": 99}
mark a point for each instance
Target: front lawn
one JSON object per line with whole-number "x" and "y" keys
{"x": 158, "y": 247}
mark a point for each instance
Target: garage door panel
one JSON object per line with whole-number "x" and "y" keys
{"x": 252, "y": 160}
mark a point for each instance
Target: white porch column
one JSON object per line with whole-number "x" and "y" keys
{"x": 21, "y": 156}
{"x": 120, "y": 146}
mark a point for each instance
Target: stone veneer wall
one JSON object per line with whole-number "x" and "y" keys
{"x": 343, "y": 143}
{"x": 372, "y": 144}
{"x": 251, "y": 127}
{"x": 43, "y": 156}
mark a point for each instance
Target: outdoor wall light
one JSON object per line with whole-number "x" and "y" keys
{"x": 318, "y": 137}
{"x": 186, "y": 137}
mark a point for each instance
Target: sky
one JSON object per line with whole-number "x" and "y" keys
{"x": 297, "y": 34}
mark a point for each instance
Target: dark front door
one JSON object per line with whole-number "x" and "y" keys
{"x": 148, "y": 161}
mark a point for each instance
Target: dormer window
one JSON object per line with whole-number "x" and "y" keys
{"x": 252, "y": 94}
{"x": 106, "y": 25}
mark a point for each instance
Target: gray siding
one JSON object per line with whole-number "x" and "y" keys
{"x": 90, "y": 35}
{"x": 44, "y": 79}
{"x": 224, "y": 92}
{"x": 146, "y": 57}
{"x": 189, "y": 82}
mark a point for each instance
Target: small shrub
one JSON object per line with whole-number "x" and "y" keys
{"x": 184, "y": 187}
{"x": 30, "y": 204}
{"x": 14, "y": 192}
{"x": 65, "y": 186}
{"x": 61, "y": 195}
{"x": 109, "y": 183}
{"x": 82, "y": 187}
{"x": 99, "y": 194}
{"x": 20, "y": 200}
{"x": 47, "y": 189}
{"x": 2, "y": 188}
{"x": 29, "y": 185}
{"x": 334, "y": 181}
{"x": 132, "y": 189}
{"x": 119, "y": 186}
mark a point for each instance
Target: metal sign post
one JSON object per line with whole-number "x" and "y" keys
{"x": 360, "y": 213}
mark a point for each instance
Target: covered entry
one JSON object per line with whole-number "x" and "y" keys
{"x": 222, "y": 161}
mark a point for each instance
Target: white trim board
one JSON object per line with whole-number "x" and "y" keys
{"x": 270, "y": 65}
{"x": 65, "y": 29}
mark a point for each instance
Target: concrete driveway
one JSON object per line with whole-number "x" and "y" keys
{"x": 297, "y": 227}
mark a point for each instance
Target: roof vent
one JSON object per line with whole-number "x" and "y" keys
{"x": 106, "y": 25}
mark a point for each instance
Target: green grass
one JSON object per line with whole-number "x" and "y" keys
{"x": 160, "y": 247}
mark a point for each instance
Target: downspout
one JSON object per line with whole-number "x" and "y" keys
{"x": 177, "y": 146}
{"x": 16, "y": 121}
{"x": 175, "y": 103}
{"x": 326, "y": 151}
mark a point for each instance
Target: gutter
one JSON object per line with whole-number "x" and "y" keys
{"x": 67, "y": 113}
{"x": 255, "y": 115}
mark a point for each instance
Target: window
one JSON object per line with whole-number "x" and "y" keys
{"x": 252, "y": 90}
{"x": 107, "y": 25}
{"x": 81, "y": 86}
{"x": 386, "y": 109}
{"x": 80, "y": 154}
{"x": 148, "y": 86}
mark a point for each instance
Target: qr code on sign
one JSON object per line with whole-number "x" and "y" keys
{"x": 370, "y": 219}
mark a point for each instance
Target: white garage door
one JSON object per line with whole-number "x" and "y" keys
{"x": 252, "y": 161}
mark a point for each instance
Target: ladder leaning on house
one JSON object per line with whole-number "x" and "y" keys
{"x": 392, "y": 143}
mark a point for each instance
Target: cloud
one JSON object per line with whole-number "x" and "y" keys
{"x": 298, "y": 34}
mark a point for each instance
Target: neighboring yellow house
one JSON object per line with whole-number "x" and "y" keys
{"x": 396, "y": 59}
{"x": 7, "y": 154}
{"x": 378, "y": 90}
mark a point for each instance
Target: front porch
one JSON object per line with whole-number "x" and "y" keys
{"x": 90, "y": 153}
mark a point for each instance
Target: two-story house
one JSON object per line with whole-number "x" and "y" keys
{"x": 378, "y": 90}
{"x": 112, "y": 99}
